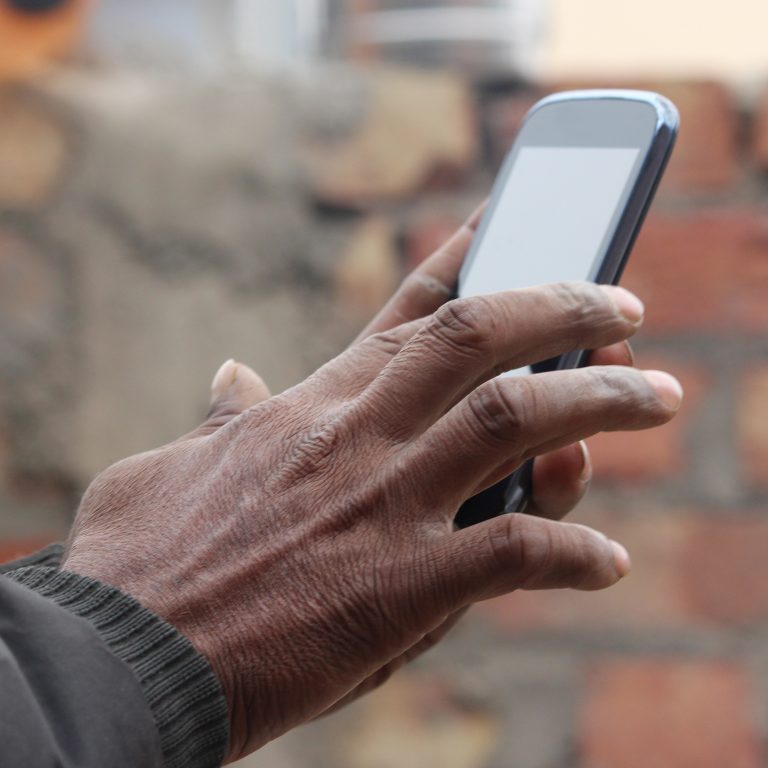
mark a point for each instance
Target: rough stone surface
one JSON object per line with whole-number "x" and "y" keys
{"x": 418, "y": 130}
{"x": 189, "y": 243}
{"x": 703, "y": 272}
{"x": 706, "y": 157}
{"x": 33, "y": 149}
{"x": 368, "y": 271}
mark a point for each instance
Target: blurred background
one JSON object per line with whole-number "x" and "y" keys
{"x": 184, "y": 181}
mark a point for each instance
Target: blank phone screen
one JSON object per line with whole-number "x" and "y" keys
{"x": 551, "y": 218}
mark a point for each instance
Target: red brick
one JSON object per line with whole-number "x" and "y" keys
{"x": 689, "y": 571}
{"x": 704, "y": 272}
{"x": 669, "y": 713}
{"x": 649, "y": 597}
{"x": 652, "y": 454}
{"x": 706, "y": 157}
{"x": 425, "y": 235}
{"x": 723, "y": 571}
{"x": 752, "y": 422}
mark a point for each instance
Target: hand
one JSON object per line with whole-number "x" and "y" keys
{"x": 560, "y": 478}
{"x": 306, "y": 543}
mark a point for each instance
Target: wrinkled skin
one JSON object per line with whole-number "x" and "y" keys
{"x": 304, "y": 542}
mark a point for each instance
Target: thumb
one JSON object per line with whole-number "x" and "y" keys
{"x": 235, "y": 389}
{"x": 524, "y": 552}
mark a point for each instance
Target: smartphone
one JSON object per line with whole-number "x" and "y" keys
{"x": 567, "y": 204}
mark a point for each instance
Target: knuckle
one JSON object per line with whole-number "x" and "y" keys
{"x": 506, "y": 543}
{"x": 624, "y": 389}
{"x": 463, "y": 325}
{"x": 518, "y": 549}
{"x": 638, "y": 396}
{"x": 570, "y": 296}
{"x": 545, "y": 555}
{"x": 614, "y": 382}
{"x": 313, "y": 450}
{"x": 585, "y": 307}
{"x": 502, "y": 413}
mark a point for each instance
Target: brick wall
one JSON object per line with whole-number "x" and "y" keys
{"x": 150, "y": 230}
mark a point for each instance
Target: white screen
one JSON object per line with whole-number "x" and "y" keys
{"x": 551, "y": 218}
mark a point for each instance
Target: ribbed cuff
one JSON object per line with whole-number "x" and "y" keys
{"x": 182, "y": 691}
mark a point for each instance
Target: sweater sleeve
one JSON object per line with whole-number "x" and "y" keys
{"x": 89, "y": 677}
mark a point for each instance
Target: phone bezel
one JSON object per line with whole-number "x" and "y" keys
{"x": 649, "y": 122}
{"x": 615, "y": 118}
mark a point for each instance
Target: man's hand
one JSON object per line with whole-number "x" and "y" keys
{"x": 304, "y": 544}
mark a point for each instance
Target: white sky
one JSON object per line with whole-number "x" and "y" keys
{"x": 720, "y": 38}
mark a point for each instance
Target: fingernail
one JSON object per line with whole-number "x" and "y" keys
{"x": 621, "y": 559}
{"x": 627, "y": 303}
{"x": 667, "y": 388}
{"x": 224, "y": 379}
{"x": 630, "y": 354}
{"x": 586, "y": 468}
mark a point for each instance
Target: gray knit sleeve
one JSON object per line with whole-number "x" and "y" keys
{"x": 182, "y": 692}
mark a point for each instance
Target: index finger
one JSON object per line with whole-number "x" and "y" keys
{"x": 430, "y": 285}
{"x": 471, "y": 340}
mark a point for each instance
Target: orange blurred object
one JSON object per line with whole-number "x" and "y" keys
{"x": 34, "y": 34}
{"x": 14, "y": 549}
